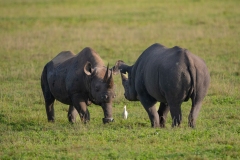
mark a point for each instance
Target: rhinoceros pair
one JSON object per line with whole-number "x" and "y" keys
{"x": 166, "y": 75}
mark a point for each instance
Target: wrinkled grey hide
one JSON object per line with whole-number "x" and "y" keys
{"x": 167, "y": 75}
{"x": 78, "y": 80}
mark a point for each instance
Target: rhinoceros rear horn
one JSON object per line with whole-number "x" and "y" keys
{"x": 110, "y": 74}
{"x": 106, "y": 74}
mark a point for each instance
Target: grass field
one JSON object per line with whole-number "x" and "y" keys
{"x": 33, "y": 31}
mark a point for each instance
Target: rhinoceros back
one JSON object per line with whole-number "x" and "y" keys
{"x": 61, "y": 57}
{"x": 164, "y": 71}
{"x": 65, "y": 73}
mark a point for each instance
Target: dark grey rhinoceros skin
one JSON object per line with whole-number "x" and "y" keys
{"x": 78, "y": 80}
{"x": 169, "y": 76}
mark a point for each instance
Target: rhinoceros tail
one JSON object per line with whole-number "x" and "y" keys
{"x": 192, "y": 73}
{"x": 200, "y": 80}
{"x": 200, "y": 77}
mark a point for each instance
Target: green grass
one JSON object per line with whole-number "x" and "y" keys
{"x": 33, "y": 32}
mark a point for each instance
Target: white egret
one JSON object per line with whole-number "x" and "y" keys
{"x": 125, "y": 113}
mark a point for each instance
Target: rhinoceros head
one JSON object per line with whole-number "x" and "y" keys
{"x": 101, "y": 88}
{"x": 127, "y": 82}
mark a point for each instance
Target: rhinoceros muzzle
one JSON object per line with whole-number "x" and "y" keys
{"x": 107, "y": 120}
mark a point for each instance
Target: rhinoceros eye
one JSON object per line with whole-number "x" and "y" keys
{"x": 97, "y": 88}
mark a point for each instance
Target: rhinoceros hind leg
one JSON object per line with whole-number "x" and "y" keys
{"x": 163, "y": 111}
{"x": 197, "y": 98}
{"x": 48, "y": 97}
{"x": 176, "y": 114}
{"x": 193, "y": 114}
{"x": 49, "y": 104}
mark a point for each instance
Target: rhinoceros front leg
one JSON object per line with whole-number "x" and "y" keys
{"x": 80, "y": 104}
{"x": 72, "y": 114}
{"x": 163, "y": 111}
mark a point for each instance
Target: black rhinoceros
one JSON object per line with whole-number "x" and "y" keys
{"x": 78, "y": 80}
{"x": 167, "y": 75}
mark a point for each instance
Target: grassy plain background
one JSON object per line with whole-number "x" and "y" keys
{"x": 33, "y": 32}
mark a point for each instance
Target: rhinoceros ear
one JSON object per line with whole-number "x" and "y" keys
{"x": 88, "y": 68}
{"x": 120, "y": 66}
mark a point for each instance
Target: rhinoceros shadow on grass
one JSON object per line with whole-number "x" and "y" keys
{"x": 169, "y": 76}
{"x": 78, "y": 80}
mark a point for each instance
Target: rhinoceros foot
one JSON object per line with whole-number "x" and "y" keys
{"x": 107, "y": 120}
